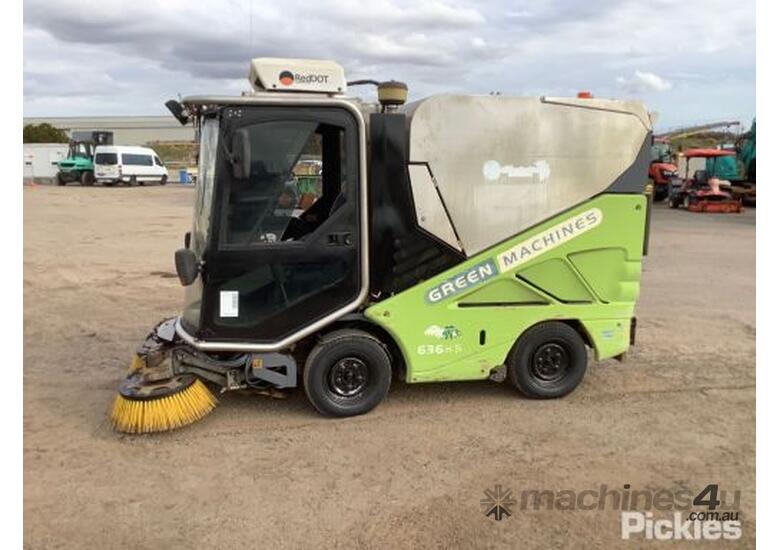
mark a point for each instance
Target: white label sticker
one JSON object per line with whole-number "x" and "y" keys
{"x": 228, "y": 303}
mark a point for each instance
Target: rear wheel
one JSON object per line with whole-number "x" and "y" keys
{"x": 548, "y": 360}
{"x": 347, "y": 373}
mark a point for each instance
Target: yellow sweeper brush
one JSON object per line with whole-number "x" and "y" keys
{"x": 149, "y": 401}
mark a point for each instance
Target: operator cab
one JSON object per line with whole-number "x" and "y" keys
{"x": 276, "y": 236}
{"x": 80, "y": 149}
{"x": 83, "y": 143}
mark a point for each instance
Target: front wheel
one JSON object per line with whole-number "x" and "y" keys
{"x": 347, "y": 373}
{"x": 163, "y": 180}
{"x": 87, "y": 179}
{"x": 60, "y": 180}
{"x": 548, "y": 360}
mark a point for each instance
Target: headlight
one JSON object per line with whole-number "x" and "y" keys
{"x": 668, "y": 173}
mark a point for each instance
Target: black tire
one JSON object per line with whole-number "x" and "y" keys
{"x": 659, "y": 193}
{"x": 752, "y": 171}
{"x": 347, "y": 373}
{"x": 548, "y": 360}
{"x": 109, "y": 183}
{"x": 133, "y": 181}
{"x": 87, "y": 178}
{"x": 163, "y": 180}
{"x": 60, "y": 181}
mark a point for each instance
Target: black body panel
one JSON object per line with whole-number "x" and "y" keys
{"x": 401, "y": 254}
{"x": 633, "y": 180}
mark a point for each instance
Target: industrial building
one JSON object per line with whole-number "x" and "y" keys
{"x": 128, "y": 130}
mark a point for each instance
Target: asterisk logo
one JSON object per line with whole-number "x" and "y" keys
{"x": 497, "y": 502}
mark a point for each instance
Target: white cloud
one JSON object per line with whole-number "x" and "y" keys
{"x": 430, "y": 14}
{"x": 117, "y": 57}
{"x": 642, "y": 82}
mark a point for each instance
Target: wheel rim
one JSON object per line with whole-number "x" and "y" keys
{"x": 348, "y": 377}
{"x": 550, "y": 363}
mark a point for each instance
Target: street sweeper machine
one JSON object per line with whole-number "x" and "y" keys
{"x": 336, "y": 243}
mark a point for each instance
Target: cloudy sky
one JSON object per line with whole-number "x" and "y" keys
{"x": 692, "y": 61}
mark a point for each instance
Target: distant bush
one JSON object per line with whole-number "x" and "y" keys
{"x": 704, "y": 140}
{"x": 44, "y": 133}
{"x": 175, "y": 152}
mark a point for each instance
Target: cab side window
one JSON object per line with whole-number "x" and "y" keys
{"x": 290, "y": 184}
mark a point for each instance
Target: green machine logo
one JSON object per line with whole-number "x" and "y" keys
{"x": 549, "y": 239}
{"x": 514, "y": 257}
{"x": 464, "y": 280}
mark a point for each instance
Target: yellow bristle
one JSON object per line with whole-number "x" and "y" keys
{"x": 165, "y": 413}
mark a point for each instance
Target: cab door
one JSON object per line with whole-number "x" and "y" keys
{"x": 285, "y": 242}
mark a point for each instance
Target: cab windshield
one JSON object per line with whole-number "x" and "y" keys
{"x": 209, "y": 134}
{"x": 662, "y": 152}
{"x": 204, "y": 193}
{"x": 80, "y": 149}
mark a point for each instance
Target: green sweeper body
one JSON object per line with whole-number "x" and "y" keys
{"x": 581, "y": 268}
{"x": 336, "y": 243}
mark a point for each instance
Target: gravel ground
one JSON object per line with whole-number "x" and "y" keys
{"x": 261, "y": 472}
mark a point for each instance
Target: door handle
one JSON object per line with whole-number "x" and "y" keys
{"x": 340, "y": 239}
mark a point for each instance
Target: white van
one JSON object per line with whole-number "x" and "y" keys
{"x": 124, "y": 163}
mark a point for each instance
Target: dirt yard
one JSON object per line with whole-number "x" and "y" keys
{"x": 258, "y": 472}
